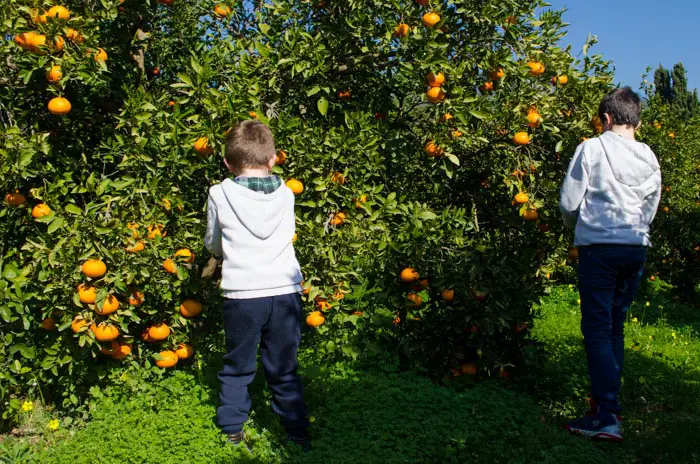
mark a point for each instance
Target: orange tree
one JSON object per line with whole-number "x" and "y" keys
{"x": 675, "y": 255}
{"x": 423, "y": 135}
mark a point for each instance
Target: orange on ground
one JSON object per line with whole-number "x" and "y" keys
{"x": 184, "y": 351}
{"x": 315, "y": 319}
{"x": 104, "y": 332}
{"x": 190, "y": 308}
{"x": 168, "y": 359}
{"x": 159, "y": 332}
{"x": 94, "y": 268}
{"x": 295, "y": 186}
{"x": 170, "y": 266}
{"x": 59, "y": 106}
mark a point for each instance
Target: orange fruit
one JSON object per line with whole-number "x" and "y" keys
{"x": 58, "y": 12}
{"x": 521, "y": 198}
{"x": 414, "y": 300}
{"x": 170, "y": 266}
{"x": 186, "y": 255}
{"x": 54, "y": 74}
{"x": 48, "y": 324}
{"x": 281, "y": 157}
{"x": 562, "y": 80}
{"x": 295, "y": 186}
{"x": 87, "y": 294}
{"x": 448, "y": 295}
{"x": 78, "y": 324}
{"x": 113, "y": 348}
{"x": 430, "y": 19}
{"x": 446, "y": 117}
{"x": 94, "y": 268}
{"x": 221, "y": 10}
{"x": 435, "y": 80}
{"x": 338, "y": 219}
{"x": 74, "y": 36}
{"x": 530, "y": 215}
{"x": 486, "y": 87}
{"x": 15, "y": 199}
{"x": 306, "y": 288}
{"x": 511, "y": 20}
{"x": 536, "y": 68}
{"x": 31, "y": 41}
{"x": 109, "y": 306}
{"x": 409, "y": 275}
{"x": 105, "y": 332}
{"x": 253, "y": 114}
{"x": 168, "y": 359}
{"x": 155, "y": 231}
{"x": 322, "y": 304}
{"x": 138, "y": 246}
{"x": 497, "y": 74}
{"x": 159, "y": 332}
{"x": 435, "y": 94}
{"x": 401, "y": 30}
{"x": 573, "y": 254}
{"x": 315, "y": 319}
{"x": 468, "y": 369}
{"x": 534, "y": 119}
{"x": 521, "y": 138}
{"x": 136, "y": 298}
{"x": 190, "y": 308}
{"x": 338, "y": 178}
{"x": 362, "y": 199}
{"x": 171, "y": 103}
{"x": 122, "y": 351}
{"x": 597, "y": 124}
{"x": 59, "y": 43}
{"x": 201, "y": 146}
{"x": 433, "y": 150}
{"x": 344, "y": 94}
{"x": 59, "y": 106}
{"x": 100, "y": 55}
{"x": 184, "y": 351}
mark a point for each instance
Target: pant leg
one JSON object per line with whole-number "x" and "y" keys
{"x": 597, "y": 285}
{"x": 243, "y": 322}
{"x": 278, "y": 348}
{"x": 628, "y": 281}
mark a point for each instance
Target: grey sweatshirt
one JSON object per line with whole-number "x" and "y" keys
{"x": 611, "y": 191}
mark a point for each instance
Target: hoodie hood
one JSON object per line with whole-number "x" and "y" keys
{"x": 632, "y": 163}
{"x": 260, "y": 213}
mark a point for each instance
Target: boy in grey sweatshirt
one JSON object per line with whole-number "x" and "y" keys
{"x": 609, "y": 196}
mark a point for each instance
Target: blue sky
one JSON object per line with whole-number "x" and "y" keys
{"x": 635, "y": 34}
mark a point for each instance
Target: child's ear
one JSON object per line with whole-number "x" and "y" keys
{"x": 228, "y": 166}
{"x": 607, "y": 120}
{"x": 272, "y": 162}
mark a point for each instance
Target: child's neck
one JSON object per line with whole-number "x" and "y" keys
{"x": 624, "y": 131}
{"x": 252, "y": 172}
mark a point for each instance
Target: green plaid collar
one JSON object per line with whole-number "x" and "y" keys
{"x": 260, "y": 184}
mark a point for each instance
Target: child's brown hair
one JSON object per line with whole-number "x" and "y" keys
{"x": 249, "y": 145}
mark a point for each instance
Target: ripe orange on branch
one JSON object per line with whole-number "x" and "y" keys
{"x": 167, "y": 359}
{"x": 521, "y": 138}
{"x": 295, "y": 186}
{"x": 402, "y": 30}
{"x": 202, "y": 147}
{"x": 433, "y": 150}
{"x": 105, "y": 332}
{"x": 94, "y": 268}
{"x": 54, "y": 74}
{"x": 170, "y": 266}
{"x": 536, "y": 68}
{"x": 158, "y": 332}
{"x": 190, "y": 308}
{"x": 109, "y": 306}
{"x": 58, "y": 12}
{"x": 15, "y": 199}
{"x": 430, "y": 19}
{"x": 435, "y": 80}
{"x": 435, "y": 94}
{"x": 315, "y": 319}
{"x": 221, "y": 10}
{"x": 409, "y": 275}
{"x": 87, "y": 294}
{"x": 185, "y": 254}
{"x": 184, "y": 351}
{"x": 59, "y": 106}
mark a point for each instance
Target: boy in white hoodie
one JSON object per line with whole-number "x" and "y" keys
{"x": 251, "y": 224}
{"x": 610, "y": 196}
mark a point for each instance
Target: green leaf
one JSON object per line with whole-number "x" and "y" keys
{"x": 56, "y": 224}
{"x": 73, "y": 209}
{"x": 453, "y": 159}
{"x": 313, "y": 91}
{"x": 322, "y": 105}
{"x": 264, "y": 28}
{"x": 477, "y": 114}
{"x": 196, "y": 67}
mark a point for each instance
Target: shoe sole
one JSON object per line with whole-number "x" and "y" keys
{"x": 602, "y": 436}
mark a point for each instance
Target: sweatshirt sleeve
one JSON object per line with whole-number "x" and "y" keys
{"x": 574, "y": 188}
{"x": 212, "y": 238}
{"x": 651, "y": 203}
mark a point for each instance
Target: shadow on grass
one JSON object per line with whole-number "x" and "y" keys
{"x": 660, "y": 402}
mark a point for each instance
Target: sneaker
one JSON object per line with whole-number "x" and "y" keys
{"x": 302, "y": 440}
{"x": 594, "y": 410}
{"x": 236, "y": 438}
{"x": 598, "y": 426}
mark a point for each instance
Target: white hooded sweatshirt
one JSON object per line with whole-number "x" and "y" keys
{"x": 611, "y": 191}
{"x": 253, "y": 232}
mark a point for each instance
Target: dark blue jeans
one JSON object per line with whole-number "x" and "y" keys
{"x": 609, "y": 277}
{"x": 274, "y": 324}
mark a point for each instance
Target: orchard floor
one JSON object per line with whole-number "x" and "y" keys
{"x": 380, "y": 416}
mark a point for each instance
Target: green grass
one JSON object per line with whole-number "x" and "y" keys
{"x": 381, "y": 416}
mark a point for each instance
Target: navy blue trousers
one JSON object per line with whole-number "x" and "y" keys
{"x": 273, "y": 324}
{"x": 609, "y": 277}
